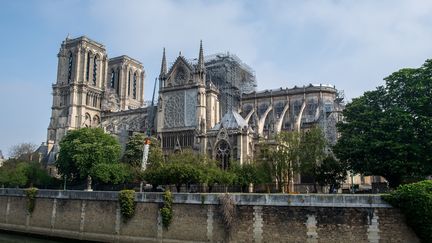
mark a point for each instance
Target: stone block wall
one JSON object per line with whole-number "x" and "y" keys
{"x": 198, "y": 218}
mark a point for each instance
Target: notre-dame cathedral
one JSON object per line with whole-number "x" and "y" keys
{"x": 207, "y": 104}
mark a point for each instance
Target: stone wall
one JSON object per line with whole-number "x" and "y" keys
{"x": 197, "y": 218}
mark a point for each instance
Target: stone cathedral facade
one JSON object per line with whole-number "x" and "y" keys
{"x": 208, "y": 104}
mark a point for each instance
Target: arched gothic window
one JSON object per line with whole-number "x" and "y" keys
{"x": 112, "y": 78}
{"x": 223, "y": 154}
{"x": 88, "y": 66}
{"x": 70, "y": 61}
{"x": 128, "y": 86}
{"x": 94, "y": 70}
{"x": 118, "y": 81}
{"x": 134, "y": 85}
{"x": 87, "y": 120}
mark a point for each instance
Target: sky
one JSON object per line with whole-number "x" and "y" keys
{"x": 350, "y": 44}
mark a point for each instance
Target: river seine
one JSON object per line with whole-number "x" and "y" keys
{"x": 17, "y": 238}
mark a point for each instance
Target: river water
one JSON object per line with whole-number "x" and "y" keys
{"x": 6, "y": 237}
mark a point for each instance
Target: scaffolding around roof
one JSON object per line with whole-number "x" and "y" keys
{"x": 231, "y": 76}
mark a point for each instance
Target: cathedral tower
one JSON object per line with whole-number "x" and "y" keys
{"x": 125, "y": 84}
{"x": 78, "y": 91}
{"x": 182, "y": 109}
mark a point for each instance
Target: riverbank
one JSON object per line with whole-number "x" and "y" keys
{"x": 198, "y": 217}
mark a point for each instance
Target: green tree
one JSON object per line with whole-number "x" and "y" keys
{"x": 182, "y": 168}
{"x": 312, "y": 152}
{"x": 82, "y": 151}
{"x": 282, "y": 158}
{"x": 16, "y": 173}
{"x": 247, "y": 174}
{"x": 388, "y": 131}
{"x": 331, "y": 172}
{"x": 134, "y": 153}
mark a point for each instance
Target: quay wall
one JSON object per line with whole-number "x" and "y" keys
{"x": 197, "y": 218}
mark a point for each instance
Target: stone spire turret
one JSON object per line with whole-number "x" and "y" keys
{"x": 163, "y": 71}
{"x": 200, "y": 66}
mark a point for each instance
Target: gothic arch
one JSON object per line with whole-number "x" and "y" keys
{"x": 263, "y": 118}
{"x": 87, "y": 120}
{"x": 95, "y": 69}
{"x": 223, "y": 153}
{"x": 96, "y": 121}
{"x": 134, "y": 85}
{"x": 70, "y": 66}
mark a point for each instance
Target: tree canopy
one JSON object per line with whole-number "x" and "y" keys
{"x": 134, "y": 151}
{"x": 281, "y": 159}
{"x": 16, "y": 173}
{"x": 90, "y": 152}
{"x": 388, "y": 131}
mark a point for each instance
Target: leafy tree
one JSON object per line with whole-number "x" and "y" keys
{"x": 13, "y": 174}
{"x": 134, "y": 153}
{"x": 312, "y": 152}
{"x": 134, "y": 150}
{"x": 388, "y": 131}
{"x": 251, "y": 173}
{"x": 17, "y": 173}
{"x": 82, "y": 151}
{"x": 282, "y": 158}
{"x": 181, "y": 168}
{"x": 135, "y": 147}
{"x": 22, "y": 149}
{"x": 331, "y": 172}
{"x": 111, "y": 173}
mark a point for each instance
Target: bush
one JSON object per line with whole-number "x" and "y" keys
{"x": 31, "y": 198}
{"x": 415, "y": 202}
{"x": 166, "y": 211}
{"x": 127, "y": 203}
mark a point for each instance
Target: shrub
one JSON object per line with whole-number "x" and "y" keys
{"x": 127, "y": 203}
{"x": 31, "y": 198}
{"x": 166, "y": 211}
{"x": 415, "y": 202}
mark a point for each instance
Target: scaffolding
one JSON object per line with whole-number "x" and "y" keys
{"x": 232, "y": 77}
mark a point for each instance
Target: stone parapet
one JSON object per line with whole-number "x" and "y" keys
{"x": 250, "y": 199}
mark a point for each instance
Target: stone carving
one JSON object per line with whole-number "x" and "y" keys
{"x": 180, "y": 76}
{"x": 111, "y": 101}
{"x": 190, "y": 109}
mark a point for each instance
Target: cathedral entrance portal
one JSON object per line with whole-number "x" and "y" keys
{"x": 223, "y": 154}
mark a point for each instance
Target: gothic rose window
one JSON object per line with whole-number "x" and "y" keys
{"x": 174, "y": 111}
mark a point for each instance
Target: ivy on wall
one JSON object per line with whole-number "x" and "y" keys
{"x": 127, "y": 203}
{"x": 415, "y": 202}
{"x": 167, "y": 211}
{"x": 31, "y": 198}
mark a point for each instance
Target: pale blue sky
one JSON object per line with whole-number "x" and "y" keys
{"x": 351, "y": 44}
